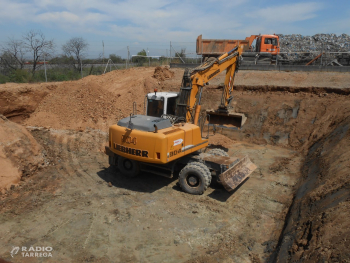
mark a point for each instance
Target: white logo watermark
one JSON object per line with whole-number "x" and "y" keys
{"x": 14, "y": 251}
{"x": 32, "y": 252}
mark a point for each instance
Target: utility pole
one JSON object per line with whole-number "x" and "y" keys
{"x": 103, "y": 53}
{"x": 127, "y": 60}
{"x": 170, "y": 51}
{"x": 149, "y": 61}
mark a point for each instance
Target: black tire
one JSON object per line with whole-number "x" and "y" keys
{"x": 128, "y": 167}
{"x": 205, "y": 168}
{"x": 218, "y": 152}
{"x": 113, "y": 160}
{"x": 193, "y": 179}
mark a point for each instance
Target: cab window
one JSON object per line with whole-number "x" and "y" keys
{"x": 171, "y": 106}
{"x": 271, "y": 41}
{"x": 155, "y": 107}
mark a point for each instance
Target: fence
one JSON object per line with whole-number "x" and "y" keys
{"x": 183, "y": 54}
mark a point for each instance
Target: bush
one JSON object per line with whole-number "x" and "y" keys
{"x": 53, "y": 74}
{"x": 3, "y": 79}
{"x": 19, "y": 76}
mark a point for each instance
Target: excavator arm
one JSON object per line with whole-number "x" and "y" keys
{"x": 194, "y": 80}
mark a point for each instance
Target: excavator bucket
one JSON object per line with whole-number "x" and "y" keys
{"x": 227, "y": 119}
{"x": 234, "y": 176}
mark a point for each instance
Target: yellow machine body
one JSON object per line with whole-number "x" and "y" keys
{"x": 158, "y": 147}
{"x": 169, "y": 136}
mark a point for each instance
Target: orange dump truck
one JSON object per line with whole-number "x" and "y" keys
{"x": 216, "y": 47}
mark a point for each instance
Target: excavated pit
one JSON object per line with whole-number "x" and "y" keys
{"x": 294, "y": 207}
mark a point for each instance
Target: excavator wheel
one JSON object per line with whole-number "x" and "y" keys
{"x": 205, "y": 168}
{"x": 194, "y": 178}
{"x": 128, "y": 167}
{"x": 218, "y": 152}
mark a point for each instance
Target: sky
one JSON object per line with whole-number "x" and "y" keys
{"x": 153, "y": 24}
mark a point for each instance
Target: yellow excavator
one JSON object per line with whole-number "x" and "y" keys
{"x": 169, "y": 138}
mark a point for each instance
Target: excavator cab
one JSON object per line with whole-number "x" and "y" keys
{"x": 161, "y": 103}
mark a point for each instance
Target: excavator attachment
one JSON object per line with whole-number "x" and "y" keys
{"x": 234, "y": 176}
{"x": 226, "y": 119}
{"x": 236, "y": 169}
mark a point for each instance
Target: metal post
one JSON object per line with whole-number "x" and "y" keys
{"x": 127, "y": 60}
{"x": 103, "y": 44}
{"x": 45, "y": 69}
{"x": 149, "y": 61}
{"x": 170, "y": 52}
{"x": 178, "y": 56}
{"x": 81, "y": 68}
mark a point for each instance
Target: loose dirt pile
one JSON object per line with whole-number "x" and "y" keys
{"x": 95, "y": 101}
{"x": 162, "y": 73}
{"x": 20, "y": 154}
{"x": 18, "y": 101}
{"x": 78, "y": 108}
{"x": 218, "y": 140}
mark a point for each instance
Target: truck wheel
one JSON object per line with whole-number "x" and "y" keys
{"x": 128, "y": 167}
{"x": 194, "y": 179}
{"x": 218, "y": 152}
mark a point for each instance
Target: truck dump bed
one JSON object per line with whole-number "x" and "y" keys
{"x": 209, "y": 47}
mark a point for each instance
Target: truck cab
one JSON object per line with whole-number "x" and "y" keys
{"x": 268, "y": 43}
{"x": 159, "y": 103}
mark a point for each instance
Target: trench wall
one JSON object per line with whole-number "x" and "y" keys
{"x": 317, "y": 228}
{"x": 315, "y": 122}
{"x": 280, "y": 116}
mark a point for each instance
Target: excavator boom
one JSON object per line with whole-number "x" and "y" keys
{"x": 194, "y": 80}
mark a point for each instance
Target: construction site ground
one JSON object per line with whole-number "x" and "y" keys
{"x": 58, "y": 190}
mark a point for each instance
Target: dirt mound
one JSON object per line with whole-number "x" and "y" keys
{"x": 162, "y": 73}
{"x": 20, "y": 154}
{"x": 18, "y": 101}
{"x": 220, "y": 140}
{"x": 95, "y": 101}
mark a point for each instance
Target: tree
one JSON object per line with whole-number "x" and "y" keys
{"x": 61, "y": 60}
{"x": 76, "y": 49}
{"x": 40, "y": 48}
{"x": 142, "y": 57}
{"x": 12, "y": 56}
{"x": 115, "y": 58}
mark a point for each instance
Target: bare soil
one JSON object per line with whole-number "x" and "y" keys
{"x": 294, "y": 207}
